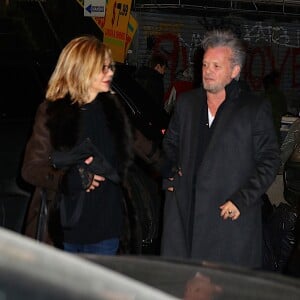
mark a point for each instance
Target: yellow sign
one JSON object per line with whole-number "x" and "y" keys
{"x": 131, "y": 30}
{"x": 115, "y": 27}
{"x": 118, "y": 26}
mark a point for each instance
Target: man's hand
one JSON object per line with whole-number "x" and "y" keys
{"x": 229, "y": 210}
{"x": 171, "y": 188}
{"x": 96, "y": 179}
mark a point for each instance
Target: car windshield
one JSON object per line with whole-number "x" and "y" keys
{"x": 30, "y": 270}
{"x": 194, "y": 280}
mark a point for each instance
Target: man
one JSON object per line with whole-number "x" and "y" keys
{"x": 151, "y": 78}
{"x": 222, "y": 143}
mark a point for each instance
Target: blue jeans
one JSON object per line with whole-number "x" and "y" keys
{"x": 106, "y": 247}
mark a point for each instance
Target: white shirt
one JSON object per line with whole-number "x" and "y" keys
{"x": 210, "y": 118}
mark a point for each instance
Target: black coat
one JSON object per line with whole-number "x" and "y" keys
{"x": 57, "y": 127}
{"x": 153, "y": 83}
{"x": 240, "y": 163}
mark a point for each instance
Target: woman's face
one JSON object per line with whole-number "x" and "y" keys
{"x": 101, "y": 82}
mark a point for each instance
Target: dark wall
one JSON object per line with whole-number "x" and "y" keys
{"x": 47, "y": 25}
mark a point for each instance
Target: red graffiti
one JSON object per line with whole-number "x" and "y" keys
{"x": 251, "y": 76}
{"x": 172, "y": 54}
{"x": 176, "y": 53}
{"x": 260, "y": 61}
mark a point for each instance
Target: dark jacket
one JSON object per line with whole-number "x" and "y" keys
{"x": 239, "y": 164}
{"x": 153, "y": 82}
{"x": 57, "y": 127}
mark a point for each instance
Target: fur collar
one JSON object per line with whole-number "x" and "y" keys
{"x": 63, "y": 124}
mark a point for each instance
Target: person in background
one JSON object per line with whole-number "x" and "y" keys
{"x": 291, "y": 140}
{"x": 290, "y": 164}
{"x": 185, "y": 81}
{"x": 276, "y": 97}
{"x": 224, "y": 155}
{"x": 151, "y": 78}
{"x": 148, "y": 151}
{"x": 79, "y": 152}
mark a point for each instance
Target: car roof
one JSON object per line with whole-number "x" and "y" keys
{"x": 40, "y": 271}
{"x": 207, "y": 280}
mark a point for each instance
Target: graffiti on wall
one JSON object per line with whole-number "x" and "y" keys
{"x": 264, "y": 43}
{"x": 277, "y": 35}
{"x": 265, "y": 58}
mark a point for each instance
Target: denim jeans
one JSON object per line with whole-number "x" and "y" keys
{"x": 106, "y": 247}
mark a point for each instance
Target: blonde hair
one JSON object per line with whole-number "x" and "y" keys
{"x": 80, "y": 60}
{"x": 226, "y": 38}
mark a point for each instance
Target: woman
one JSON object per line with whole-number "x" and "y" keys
{"x": 84, "y": 131}
{"x": 291, "y": 140}
{"x": 290, "y": 164}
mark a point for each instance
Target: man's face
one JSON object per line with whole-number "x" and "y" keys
{"x": 217, "y": 69}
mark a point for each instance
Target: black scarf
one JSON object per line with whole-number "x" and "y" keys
{"x": 63, "y": 123}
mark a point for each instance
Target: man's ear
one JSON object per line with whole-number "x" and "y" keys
{"x": 235, "y": 71}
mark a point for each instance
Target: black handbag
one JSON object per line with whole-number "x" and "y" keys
{"x": 100, "y": 166}
{"x": 57, "y": 209}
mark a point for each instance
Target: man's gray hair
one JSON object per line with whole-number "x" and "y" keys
{"x": 226, "y": 38}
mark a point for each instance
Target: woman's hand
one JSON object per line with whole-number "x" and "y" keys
{"x": 97, "y": 179}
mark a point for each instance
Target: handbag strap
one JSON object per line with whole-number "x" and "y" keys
{"x": 42, "y": 217}
{"x": 70, "y": 222}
